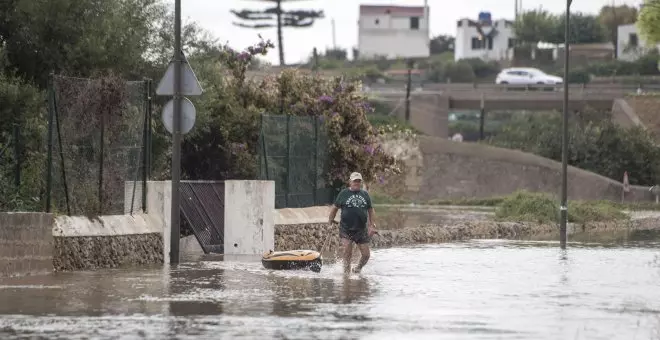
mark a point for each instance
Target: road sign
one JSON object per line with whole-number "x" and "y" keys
{"x": 189, "y": 84}
{"x": 188, "y": 115}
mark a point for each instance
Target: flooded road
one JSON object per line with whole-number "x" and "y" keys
{"x": 487, "y": 289}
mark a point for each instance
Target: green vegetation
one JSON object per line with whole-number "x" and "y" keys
{"x": 543, "y": 208}
{"x": 535, "y": 207}
{"x": 596, "y": 144}
{"x": 132, "y": 39}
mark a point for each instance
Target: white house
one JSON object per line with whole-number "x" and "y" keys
{"x": 630, "y": 45}
{"x": 484, "y": 38}
{"x": 393, "y": 32}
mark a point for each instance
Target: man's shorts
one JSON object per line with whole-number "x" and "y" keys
{"x": 357, "y": 236}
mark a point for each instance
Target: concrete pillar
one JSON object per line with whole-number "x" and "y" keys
{"x": 249, "y": 217}
{"x": 159, "y": 206}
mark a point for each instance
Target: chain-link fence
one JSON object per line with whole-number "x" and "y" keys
{"x": 98, "y": 136}
{"x": 10, "y": 162}
{"x": 293, "y": 153}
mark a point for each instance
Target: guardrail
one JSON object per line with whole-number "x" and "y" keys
{"x": 540, "y": 89}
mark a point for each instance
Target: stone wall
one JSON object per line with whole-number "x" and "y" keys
{"x": 437, "y": 168}
{"x": 26, "y": 243}
{"x": 82, "y": 243}
{"x": 325, "y": 237}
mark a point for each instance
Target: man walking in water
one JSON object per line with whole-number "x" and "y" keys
{"x": 356, "y": 211}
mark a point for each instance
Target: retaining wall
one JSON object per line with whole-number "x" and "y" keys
{"x": 83, "y": 243}
{"x": 307, "y": 230}
{"x": 26, "y": 243}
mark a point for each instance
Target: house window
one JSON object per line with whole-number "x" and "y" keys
{"x": 633, "y": 41}
{"x": 477, "y": 44}
{"x": 414, "y": 23}
{"x": 489, "y": 41}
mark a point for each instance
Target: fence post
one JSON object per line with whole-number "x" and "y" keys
{"x": 49, "y": 158}
{"x": 288, "y": 161}
{"x": 17, "y": 155}
{"x": 59, "y": 143}
{"x": 150, "y": 128}
{"x": 101, "y": 161}
{"x": 263, "y": 147}
{"x": 316, "y": 159}
{"x": 145, "y": 143}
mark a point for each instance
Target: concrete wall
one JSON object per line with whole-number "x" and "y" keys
{"x": 26, "y": 243}
{"x": 83, "y": 243}
{"x": 444, "y": 169}
{"x": 249, "y": 218}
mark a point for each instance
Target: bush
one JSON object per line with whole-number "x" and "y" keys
{"x": 579, "y": 76}
{"x": 224, "y": 143}
{"x": 458, "y": 72}
{"x": 22, "y": 105}
{"x": 596, "y": 144}
{"x": 483, "y": 69}
{"x": 542, "y": 208}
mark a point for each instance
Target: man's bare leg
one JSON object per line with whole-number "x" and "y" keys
{"x": 364, "y": 256}
{"x": 347, "y": 253}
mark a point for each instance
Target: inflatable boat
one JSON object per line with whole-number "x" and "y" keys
{"x": 293, "y": 259}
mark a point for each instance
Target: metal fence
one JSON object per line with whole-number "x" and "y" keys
{"x": 99, "y": 132}
{"x": 10, "y": 160}
{"x": 293, "y": 153}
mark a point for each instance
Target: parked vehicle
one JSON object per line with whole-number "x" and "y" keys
{"x": 526, "y": 76}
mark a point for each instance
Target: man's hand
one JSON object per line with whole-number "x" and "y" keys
{"x": 372, "y": 229}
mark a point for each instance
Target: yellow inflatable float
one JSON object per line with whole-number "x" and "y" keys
{"x": 292, "y": 260}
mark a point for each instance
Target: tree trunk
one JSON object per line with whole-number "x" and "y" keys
{"x": 280, "y": 45}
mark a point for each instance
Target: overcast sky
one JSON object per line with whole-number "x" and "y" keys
{"x": 214, "y": 16}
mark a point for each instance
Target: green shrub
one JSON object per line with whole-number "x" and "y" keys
{"x": 543, "y": 208}
{"x": 596, "y": 144}
{"x": 578, "y": 76}
{"x": 458, "y": 72}
{"x": 483, "y": 69}
{"x": 23, "y": 106}
{"x": 224, "y": 143}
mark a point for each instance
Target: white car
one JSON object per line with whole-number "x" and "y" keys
{"x": 526, "y": 76}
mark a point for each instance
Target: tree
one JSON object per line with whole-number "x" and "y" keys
{"x": 584, "y": 29}
{"x": 535, "y": 26}
{"x": 611, "y": 17}
{"x": 276, "y": 17}
{"x": 649, "y": 16}
{"x": 442, "y": 44}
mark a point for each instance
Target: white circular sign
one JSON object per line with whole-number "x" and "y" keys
{"x": 188, "y": 115}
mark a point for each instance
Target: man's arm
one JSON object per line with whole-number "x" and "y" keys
{"x": 333, "y": 213}
{"x": 372, "y": 218}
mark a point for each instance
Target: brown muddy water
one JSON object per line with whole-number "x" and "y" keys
{"x": 487, "y": 289}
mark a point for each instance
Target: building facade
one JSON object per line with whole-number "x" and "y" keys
{"x": 630, "y": 46}
{"x": 393, "y": 32}
{"x": 484, "y": 38}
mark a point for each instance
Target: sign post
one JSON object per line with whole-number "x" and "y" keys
{"x": 179, "y": 118}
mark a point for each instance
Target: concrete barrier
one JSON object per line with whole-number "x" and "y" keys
{"x": 249, "y": 217}
{"x": 26, "y": 243}
{"x": 83, "y": 243}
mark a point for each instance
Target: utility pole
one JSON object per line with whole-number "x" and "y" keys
{"x": 334, "y": 35}
{"x": 176, "y": 139}
{"x": 564, "y": 140}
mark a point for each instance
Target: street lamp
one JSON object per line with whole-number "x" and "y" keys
{"x": 564, "y": 139}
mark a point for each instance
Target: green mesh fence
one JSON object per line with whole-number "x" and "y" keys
{"x": 100, "y": 129}
{"x": 293, "y": 153}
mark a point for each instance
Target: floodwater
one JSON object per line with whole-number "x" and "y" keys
{"x": 486, "y": 289}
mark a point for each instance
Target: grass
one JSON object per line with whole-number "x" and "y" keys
{"x": 543, "y": 208}
{"x": 535, "y": 207}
